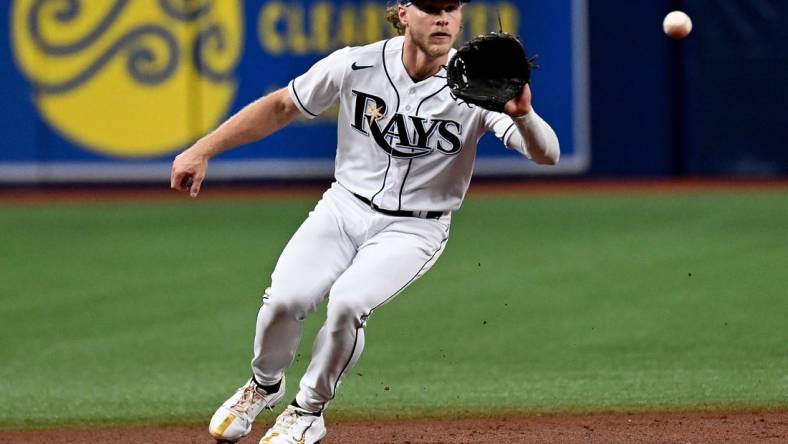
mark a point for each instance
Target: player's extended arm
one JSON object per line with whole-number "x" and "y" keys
{"x": 255, "y": 121}
{"x": 536, "y": 140}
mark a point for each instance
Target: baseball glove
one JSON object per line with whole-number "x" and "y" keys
{"x": 489, "y": 70}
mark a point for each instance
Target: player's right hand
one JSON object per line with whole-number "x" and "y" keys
{"x": 188, "y": 172}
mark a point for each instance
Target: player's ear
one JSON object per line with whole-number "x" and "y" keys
{"x": 403, "y": 15}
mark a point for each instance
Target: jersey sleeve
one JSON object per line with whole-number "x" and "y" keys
{"x": 500, "y": 124}
{"x": 317, "y": 89}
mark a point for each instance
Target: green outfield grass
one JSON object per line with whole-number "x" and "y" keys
{"x": 144, "y": 313}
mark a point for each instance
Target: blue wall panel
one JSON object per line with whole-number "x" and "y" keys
{"x": 19, "y": 122}
{"x": 630, "y": 84}
{"x": 710, "y": 105}
{"x": 112, "y": 90}
{"x": 737, "y": 88}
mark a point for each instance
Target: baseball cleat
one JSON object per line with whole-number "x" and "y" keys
{"x": 233, "y": 419}
{"x": 296, "y": 426}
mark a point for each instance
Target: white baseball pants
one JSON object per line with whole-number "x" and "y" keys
{"x": 359, "y": 258}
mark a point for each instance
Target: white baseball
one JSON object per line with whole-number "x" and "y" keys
{"x": 677, "y": 25}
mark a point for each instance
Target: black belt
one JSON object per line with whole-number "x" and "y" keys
{"x": 401, "y": 213}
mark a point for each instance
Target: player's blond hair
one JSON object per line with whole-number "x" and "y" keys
{"x": 392, "y": 16}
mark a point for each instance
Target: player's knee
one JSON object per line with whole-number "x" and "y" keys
{"x": 345, "y": 311}
{"x": 289, "y": 302}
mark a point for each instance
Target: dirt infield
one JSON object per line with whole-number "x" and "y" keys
{"x": 763, "y": 427}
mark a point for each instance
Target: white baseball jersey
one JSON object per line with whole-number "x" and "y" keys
{"x": 403, "y": 145}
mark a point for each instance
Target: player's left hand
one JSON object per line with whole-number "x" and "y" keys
{"x": 520, "y": 105}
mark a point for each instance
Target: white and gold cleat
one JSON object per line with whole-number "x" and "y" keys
{"x": 296, "y": 426}
{"x": 233, "y": 419}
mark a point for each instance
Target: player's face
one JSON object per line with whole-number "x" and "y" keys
{"x": 433, "y": 25}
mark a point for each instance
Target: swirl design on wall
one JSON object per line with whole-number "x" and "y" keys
{"x": 65, "y": 11}
{"x": 150, "y": 55}
{"x": 186, "y": 10}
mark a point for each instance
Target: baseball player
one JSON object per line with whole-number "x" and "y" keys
{"x": 405, "y": 153}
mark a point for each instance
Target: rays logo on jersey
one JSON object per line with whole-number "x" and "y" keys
{"x": 404, "y": 136}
